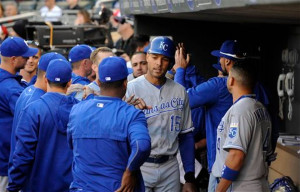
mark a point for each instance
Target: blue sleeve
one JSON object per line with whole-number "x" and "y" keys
{"x": 23, "y": 157}
{"x": 140, "y": 142}
{"x": 187, "y": 152}
{"x": 13, "y": 97}
{"x": 180, "y": 77}
{"x": 204, "y": 94}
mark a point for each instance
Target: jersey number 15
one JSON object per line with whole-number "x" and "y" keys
{"x": 175, "y": 123}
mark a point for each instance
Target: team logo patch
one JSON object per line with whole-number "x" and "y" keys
{"x": 100, "y": 105}
{"x": 232, "y": 132}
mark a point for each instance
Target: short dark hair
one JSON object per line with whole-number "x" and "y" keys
{"x": 58, "y": 85}
{"x": 137, "y": 52}
{"x": 112, "y": 85}
{"x": 244, "y": 72}
{"x": 141, "y": 39}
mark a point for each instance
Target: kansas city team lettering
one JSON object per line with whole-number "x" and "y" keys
{"x": 173, "y": 104}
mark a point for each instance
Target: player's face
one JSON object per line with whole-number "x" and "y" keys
{"x": 19, "y": 62}
{"x": 157, "y": 65}
{"x": 32, "y": 63}
{"x": 139, "y": 64}
{"x": 88, "y": 67}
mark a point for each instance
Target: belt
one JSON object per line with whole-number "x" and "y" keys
{"x": 159, "y": 159}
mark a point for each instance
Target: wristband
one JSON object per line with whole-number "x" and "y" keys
{"x": 229, "y": 174}
{"x": 189, "y": 177}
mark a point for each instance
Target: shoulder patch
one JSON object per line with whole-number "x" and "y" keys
{"x": 232, "y": 132}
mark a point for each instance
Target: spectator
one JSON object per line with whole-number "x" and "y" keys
{"x": 19, "y": 29}
{"x": 126, "y": 42}
{"x": 3, "y": 33}
{"x": 11, "y": 9}
{"x": 1, "y": 11}
{"x": 73, "y": 5}
{"x": 83, "y": 18}
{"x": 51, "y": 12}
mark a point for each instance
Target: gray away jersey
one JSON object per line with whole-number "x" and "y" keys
{"x": 170, "y": 114}
{"x": 246, "y": 126}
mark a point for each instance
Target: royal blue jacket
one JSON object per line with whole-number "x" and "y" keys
{"x": 42, "y": 160}
{"x": 10, "y": 89}
{"x": 29, "y": 95}
{"x": 189, "y": 78}
{"x": 76, "y": 79}
{"x": 107, "y": 136}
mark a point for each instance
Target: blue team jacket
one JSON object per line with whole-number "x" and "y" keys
{"x": 10, "y": 90}
{"x": 42, "y": 160}
{"x": 81, "y": 80}
{"x": 189, "y": 78}
{"x": 29, "y": 95}
{"x": 101, "y": 132}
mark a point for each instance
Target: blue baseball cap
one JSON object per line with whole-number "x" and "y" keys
{"x": 80, "y": 52}
{"x": 16, "y": 46}
{"x": 230, "y": 49}
{"x": 46, "y": 58}
{"x": 59, "y": 71}
{"x": 112, "y": 69}
{"x": 217, "y": 67}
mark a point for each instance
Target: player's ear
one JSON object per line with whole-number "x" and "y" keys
{"x": 125, "y": 83}
{"x": 69, "y": 84}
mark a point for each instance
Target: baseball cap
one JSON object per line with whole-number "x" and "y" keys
{"x": 16, "y": 46}
{"x": 230, "y": 49}
{"x": 59, "y": 71}
{"x": 217, "y": 67}
{"x": 112, "y": 69}
{"x": 80, "y": 52}
{"x": 46, "y": 58}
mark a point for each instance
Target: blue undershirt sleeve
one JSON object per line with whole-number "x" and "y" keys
{"x": 180, "y": 77}
{"x": 187, "y": 152}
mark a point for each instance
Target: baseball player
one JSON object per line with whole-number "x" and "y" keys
{"x": 31, "y": 94}
{"x": 243, "y": 137}
{"x": 79, "y": 57}
{"x": 169, "y": 121}
{"x": 14, "y": 55}
{"x": 109, "y": 145}
{"x": 96, "y": 57}
{"x": 42, "y": 160}
{"x": 139, "y": 65}
{"x": 214, "y": 95}
{"x": 30, "y": 70}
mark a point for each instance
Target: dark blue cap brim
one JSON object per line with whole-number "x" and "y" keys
{"x": 30, "y": 52}
{"x": 217, "y": 67}
{"x": 215, "y": 53}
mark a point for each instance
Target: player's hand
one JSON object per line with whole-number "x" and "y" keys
{"x": 74, "y": 88}
{"x": 87, "y": 91}
{"x": 142, "y": 105}
{"x": 189, "y": 187}
{"x": 181, "y": 58}
{"x": 129, "y": 182}
{"x": 131, "y": 100}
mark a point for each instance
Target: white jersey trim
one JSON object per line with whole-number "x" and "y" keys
{"x": 234, "y": 147}
{"x": 187, "y": 130}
